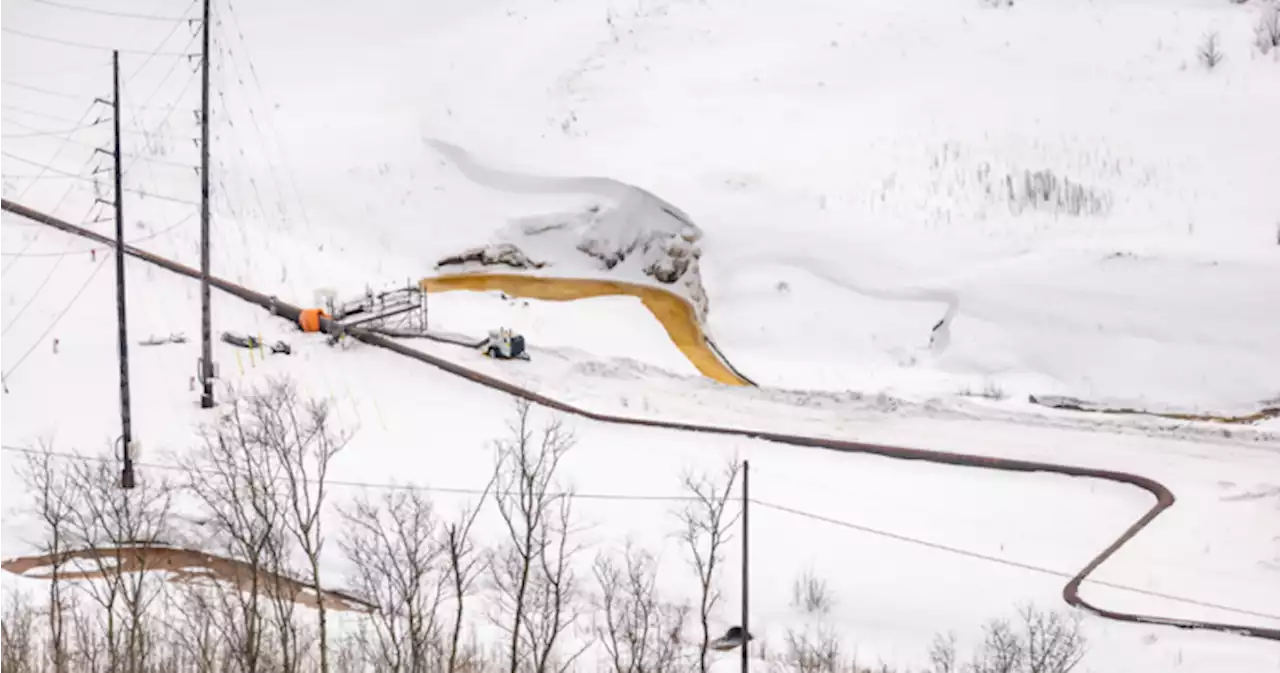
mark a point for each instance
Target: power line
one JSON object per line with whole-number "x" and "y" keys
{"x": 916, "y": 541}
{"x": 626, "y": 497}
{"x": 65, "y": 194}
{"x": 35, "y": 176}
{"x": 34, "y": 113}
{"x": 43, "y": 167}
{"x": 674, "y": 498}
{"x": 1006, "y": 562}
{"x": 47, "y": 92}
{"x": 83, "y": 127}
{"x": 161, "y": 44}
{"x": 39, "y": 134}
{"x": 253, "y": 74}
{"x": 83, "y": 45}
{"x": 105, "y": 12}
{"x": 57, "y": 318}
{"x": 133, "y": 242}
{"x": 133, "y": 156}
{"x": 162, "y": 197}
{"x": 39, "y": 288}
{"x": 67, "y": 140}
{"x": 60, "y": 71}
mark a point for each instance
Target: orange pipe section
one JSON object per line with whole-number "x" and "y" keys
{"x": 674, "y": 312}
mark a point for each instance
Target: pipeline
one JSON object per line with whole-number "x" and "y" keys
{"x": 1164, "y": 498}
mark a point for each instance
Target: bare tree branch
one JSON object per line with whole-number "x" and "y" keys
{"x": 638, "y": 630}
{"x": 401, "y": 565}
{"x": 53, "y": 499}
{"x": 532, "y": 573}
{"x": 707, "y": 526}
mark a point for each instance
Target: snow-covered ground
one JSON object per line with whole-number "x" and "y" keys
{"x": 858, "y": 173}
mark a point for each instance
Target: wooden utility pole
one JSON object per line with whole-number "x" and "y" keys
{"x": 122, "y": 317}
{"x": 206, "y": 326}
{"x": 746, "y": 575}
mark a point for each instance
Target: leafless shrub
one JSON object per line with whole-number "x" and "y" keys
{"x": 1209, "y": 53}
{"x": 1002, "y": 650}
{"x": 811, "y": 595}
{"x": 707, "y": 527}
{"x": 401, "y": 566}
{"x": 1044, "y": 190}
{"x": 1267, "y": 30}
{"x": 990, "y": 390}
{"x": 818, "y": 651}
{"x": 942, "y": 654}
{"x": 203, "y": 634}
{"x": 349, "y": 655}
{"x": 1045, "y": 643}
{"x": 536, "y": 602}
{"x": 639, "y": 631}
{"x": 19, "y": 641}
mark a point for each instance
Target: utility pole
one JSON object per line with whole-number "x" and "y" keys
{"x": 746, "y": 576}
{"x": 206, "y": 327}
{"x": 126, "y": 422}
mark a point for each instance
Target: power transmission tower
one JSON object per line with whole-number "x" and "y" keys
{"x": 206, "y": 326}
{"x": 126, "y": 421}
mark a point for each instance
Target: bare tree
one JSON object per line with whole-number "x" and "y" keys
{"x": 281, "y": 622}
{"x": 198, "y": 640}
{"x": 300, "y": 435}
{"x": 1209, "y": 53}
{"x": 465, "y": 565}
{"x": 640, "y": 632}
{"x": 816, "y": 652}
{"x": 124, "y": 526}
{"x": 942, "y": 654}
{"x": 1054, "y": 643}
{"x": 707, "y": 527}
{"x": 401, "y": 566}
{"x": 1002, "y": 650}
{"x": 811, "y": 595}
{"x": 532, "y": 572}
{"x": 236, "y": 482}
{"x": 91, "y": 645}
{"x": 1044, "y": 643}
{"x": 19, "y": 645}
{"x": 53, "y": 497}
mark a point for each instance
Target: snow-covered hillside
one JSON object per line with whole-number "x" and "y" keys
{"x": 875, "y": 159}
{"x": 899, "y": 218}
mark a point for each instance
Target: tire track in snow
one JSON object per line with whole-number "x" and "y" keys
{"x": 1164, "y": 498}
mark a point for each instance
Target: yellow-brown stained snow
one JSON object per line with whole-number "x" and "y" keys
{"x": 673, "y": 311}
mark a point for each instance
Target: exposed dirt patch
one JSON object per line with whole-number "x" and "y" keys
{"x": 182, "y": 565}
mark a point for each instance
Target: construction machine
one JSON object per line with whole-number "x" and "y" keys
{"x": 503, "y": 344}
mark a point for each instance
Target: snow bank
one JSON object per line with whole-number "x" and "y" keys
{"x": 625, "y": 232}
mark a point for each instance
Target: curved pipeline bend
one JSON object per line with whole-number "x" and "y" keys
{"x": 1070, "y": 592}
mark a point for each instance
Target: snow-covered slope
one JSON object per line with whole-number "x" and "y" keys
{"x": 1086, "y": 203}
{"x": 922, "y": 199}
